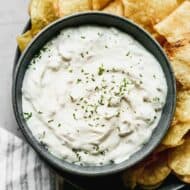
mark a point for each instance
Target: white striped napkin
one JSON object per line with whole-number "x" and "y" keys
{"x": 21, "y": 168}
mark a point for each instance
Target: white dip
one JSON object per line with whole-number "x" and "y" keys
{"x": 93, "y": 95}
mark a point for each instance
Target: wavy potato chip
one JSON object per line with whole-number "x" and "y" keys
{"x": 147, "y": 13}
{"x": 176, "y": 24}
{"x": 155, "y": 172}
{"x": 42, "y": 12}
{"x": 175, "y": 135}
{"x": 23, "y": 40}
{"x": 115, "y": 7}
{"x": 184, "y": 178}
{"x": 100, "y": 4}
{"x": 179, "y": 158}
{"x": 131, "y": 175}
{"x": 67, "y": 7}
{"x": 182, "y": 70}
{"x": 183, "y": 106}
{"x": 179, "y": 49}
{"x": 179, "y": 56}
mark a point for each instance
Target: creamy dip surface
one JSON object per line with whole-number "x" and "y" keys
{"x": 93, "y": 95}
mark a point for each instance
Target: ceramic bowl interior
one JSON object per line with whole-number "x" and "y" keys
{"x": 101, "y": 19}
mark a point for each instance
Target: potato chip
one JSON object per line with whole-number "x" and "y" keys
{"x": 24, "y": 40}
{"x": 115, "y": 7}
{"x": 38, "y": 20}
{"x": 100, "y": 4}
{"x": 147, "y": 13}
{"x": 183, "y": 106}
{"x": 179, "y": 49}
{"x": 42, "y": 12}
{"x": 179, "y": 158}
{"x": 155, "y": 172}
{"x": 181, "y": 70}
{"x": 184, "y": 178}
{"x": 175, "y": 121}
{"x": 178, "y": 54}
{"x": 67, "y": 7}
{"x": 131, "y": 175}
{"x": 175, "y": 135}
{"x": 176, "y": 24}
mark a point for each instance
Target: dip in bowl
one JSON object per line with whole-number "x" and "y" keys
{"x": 94, "y": 94}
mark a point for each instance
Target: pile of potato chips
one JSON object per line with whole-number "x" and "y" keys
{"x": 169, "y": 22}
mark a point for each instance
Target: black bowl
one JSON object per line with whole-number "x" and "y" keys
{"x": 102, "y": 19}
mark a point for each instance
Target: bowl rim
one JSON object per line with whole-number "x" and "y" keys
{"x": 61, "y": 165}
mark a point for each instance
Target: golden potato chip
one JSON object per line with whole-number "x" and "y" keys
{"x": 184, "y": 178}
{"x": 147, "y": 13}
{"x": 179, "y": 49}
{"x": 67, "y": 7}
{"x": 42, "y": 12}
{"x": 175, "y": 121}
{"x": 38, "y": 20}
{"x": 100, "y": 4}
{"x": 183, "y": 106}
{"x": 175, "y": 135}
{"x": 179, "y": 56}
{"x": 131, "y": 175}
{"x": 176, "y": 24}
{"x": 179, "y": 158}
{"x": 155, "y": 172}
{"x": 182, "y": 70}
{"x": 24, "y": 40}
{"x": 115, "y": 7}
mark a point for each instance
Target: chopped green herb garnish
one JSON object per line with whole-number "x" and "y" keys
{"x": 156, "y": 99}
{"x": 79, "y": 80}
{"x": 128, "y": 53}
{"x": 27, "y": 115}
{"x": 74, "y": 116}
{"x": 101, "y": 70}
{"x": 101, "y": 100}
{"x": 72, "y": 99}
{"x": 82, "y": 55}
{"x": 118, "y": 114}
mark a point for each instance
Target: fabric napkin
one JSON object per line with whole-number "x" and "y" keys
{"x": 21, "y": 168}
